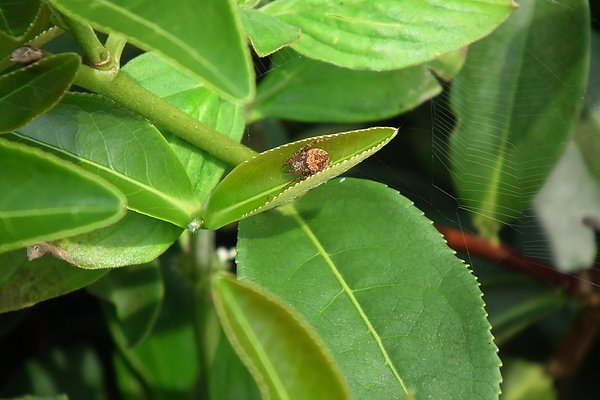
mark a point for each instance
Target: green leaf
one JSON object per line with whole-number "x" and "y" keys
{"x": 123, "y": 148}
{"x": 525, "y": 380}
{"x": 267, "y": 34}
{"x": 17, "y": 16}
{"x": 377, "y": 282}
{"x": 26, "y": 283}
{"x": 570, "y": 195}
{"x": 448, "y": 65}
{"x": 135, "y": 239}
{"x": 43, "y": 198}
{"x": 302, "y": 89}
{"x": 165, "y": 81}
{"x": 516, "y": 100}
{"x": 27, "y": 397}
{"x": 283, "y": 354}
{"x": 261, "y": 183}
{"x": 387, "y": 34}
{"x": 33, "y": 90}
{"x": 136, "y": 293}
{"x": 40, "y": 23}
{"x": 204, "y": 39}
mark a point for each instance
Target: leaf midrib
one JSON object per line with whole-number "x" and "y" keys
{"x": 293, "y": 213}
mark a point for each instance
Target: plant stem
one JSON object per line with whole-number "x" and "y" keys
{"x": 87, "y": 39}
{"x": 115, "y": 44}
{"x": 124, "y": 90}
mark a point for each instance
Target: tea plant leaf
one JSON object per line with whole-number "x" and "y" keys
{"x": 123, "y": 148}
{"x": 302, "y": 89}
{"x": 29, "y": 282}
{"x": 283, "y": 354}
{"x": 17, "y": 16}
{"x": 33, "y": 204}
{"x": 448, "y": 65}
{"x": 507, "y": 140}
{"x": 135, "y": 294}
{"x": 135, "y": 239}
{"x": 40, "y": 23}
{"x": 33, "y": 90}
{"x": 267, "y": 34}
{"x": 261, "y": 183}
{"x": 205, "y": 39}
{"x": 165, "y": 81}
{"x": 380, "y": 286}
{"x": 389, "y": 34}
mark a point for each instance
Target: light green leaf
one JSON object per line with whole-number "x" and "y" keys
{"x": 33, "y": 90}
{"x": 387, "y": 34}
{"x": 380, "y": 286}
{"x": 448, "y": 65}
{"x": 516, "y": 100}
{"x": 302, "y": 89}
{"x": 17, "y": 16}
{"x": 165, "y": 81}
{"x": 135, "y": 239}
{"x": 261, "y": 183}
{"x": 136, "y": 294}
{"x": 204, "y": 39}
{"x": 123, "y": 148}
{"x": 43, "y": 198}
{"x": 267, "y": 34}
{"x": 525, "y": 380}
{"x": 25, "y": 283}
{"x": 284, "y": 355}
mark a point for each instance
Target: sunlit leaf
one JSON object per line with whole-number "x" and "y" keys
{"x": 448, "y": 65}
{"x": 380, "y": 286}
{"x": 267, "y": 34}
{"x": 283, "y": 354}
{"x": 43, "y": 198}
{"x": 261, "y": 183}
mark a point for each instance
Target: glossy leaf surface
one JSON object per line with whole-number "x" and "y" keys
{"x": 135, "y": 294}
{"x": 285, "y": 357}
{"x": 165, "y": 81}
{"x": 123, "y": 148}
{"x": 387, "y": 34}
{"x": 33, "y": 90}
{"x": 203, "y": 39}
{"x": 380, "y": 286}
{"x": 302, "y": 89}
{"x": 261, "y": 182}
{"x": 514, "y": 118}
{"x": 267, "y": 34}
{"x": 33, "y": 205}
{"x": 25, "y": 283}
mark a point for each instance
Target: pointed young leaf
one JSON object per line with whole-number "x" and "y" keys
{"x": 123, "y": 148}
{"x": 30, "y": 282}
{"x": 165, "y": 81}
{"x": 516, "y": 100}
{"x": 33, "y": 90}
{"x": 267, "y": 34}
{"x": 261, "y": 183}
{"x": 380, "y": 286}
{"x": 284, "y": 355}
{"x": 44, "y": 198}
{"x": 204, "y": 38}
{"x": 302, "y": 89}
{"x": 387, "y": 34}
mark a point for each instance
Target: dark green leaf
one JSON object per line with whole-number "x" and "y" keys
{"x": 43, "y": 198}
{"x": 267, "y": 34}
{"x": 261, "y": 183}
{"x": 387, "y": 34}
{"x": 302, "y": 89}
{"x": 29, "y": 282}
{"x": 284, "y": 355}
{"x": 40, "y": 23}
{"x": 516, "y": 100}
{"x": 165, "y": 81}
{"x": 135, "y": 239}
{"x": 123, "y": 148}
{"x": 136, "y": 293}
{"x": 378, "y": 283}
{"x": 17, "y": 15}
{"x": 33, "y": 90}
{"x": 203, "y": 39}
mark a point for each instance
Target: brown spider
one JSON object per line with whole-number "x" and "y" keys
{"x": 308, "y": 161}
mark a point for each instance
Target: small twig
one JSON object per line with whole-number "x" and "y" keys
{"x": 95, "y": 52}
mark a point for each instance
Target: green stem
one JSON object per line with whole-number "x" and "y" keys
{"x": 124, "y": 90}
{"x": 115, "y": 44}
{"x": 87, "y": 39}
